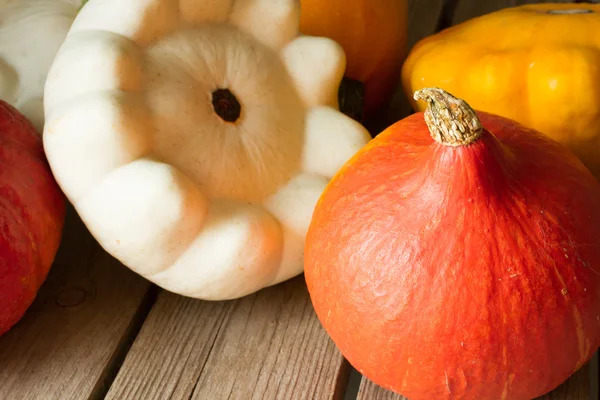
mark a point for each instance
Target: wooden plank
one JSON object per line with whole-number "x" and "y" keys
{"x": 265, "y": 346}
{"x": 370, "y": 391}
{"x": 575, "y": 388}
{"x": 423, "y": 19}
{"x": 68, "y": 343}
{"x": 466, "y": 9}
{"x": 594, "y": 366}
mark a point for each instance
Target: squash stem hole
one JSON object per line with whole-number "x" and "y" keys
{"x": 226, "y": 105}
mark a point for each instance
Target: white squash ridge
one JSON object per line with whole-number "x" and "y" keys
{"x": 74, "y": 180}
{"x": 31, "y": 31}
{"x": 163, "y": 255}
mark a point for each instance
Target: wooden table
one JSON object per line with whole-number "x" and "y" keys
{"x": 98, "y": 330}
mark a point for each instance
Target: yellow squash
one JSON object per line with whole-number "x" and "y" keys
{"x": 538, "y": 64}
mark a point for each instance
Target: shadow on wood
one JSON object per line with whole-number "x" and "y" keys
{"x": 66, "y": 345}
{"x": 269, "y": 345}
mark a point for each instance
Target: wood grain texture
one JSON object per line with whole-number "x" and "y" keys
{"x": 370, "y": 391}
{"x": 67, "y": 344}
{"x": 575, "y": 388}
{"x": 269, "y": 345}
{"x": 423, "y": 19}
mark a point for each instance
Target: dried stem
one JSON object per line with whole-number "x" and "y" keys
{"x": 451, "y": 121}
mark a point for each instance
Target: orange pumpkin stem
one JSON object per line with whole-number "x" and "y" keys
{"x": 451, "y": 121}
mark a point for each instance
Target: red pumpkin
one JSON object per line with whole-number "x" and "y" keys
{"x": 32, "y": 214}
{"x": 463, "y": 266}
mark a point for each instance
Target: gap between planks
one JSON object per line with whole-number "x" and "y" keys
{"x": 268, "y": 345}
{"x": 580, "y": 386}
{"x": 71, "y": 339}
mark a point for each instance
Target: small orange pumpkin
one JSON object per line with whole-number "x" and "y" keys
{"x": 373, "y": 34}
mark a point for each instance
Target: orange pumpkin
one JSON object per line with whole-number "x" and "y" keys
{"x": 373, "y": 35}
{"x": 456, "y": 256}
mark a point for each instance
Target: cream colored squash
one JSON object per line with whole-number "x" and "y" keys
{"x": 145, "y": 137}
{"x": 31, "y": 32}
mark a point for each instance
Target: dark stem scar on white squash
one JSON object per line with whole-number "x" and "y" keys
{"x": 226, "y": 105}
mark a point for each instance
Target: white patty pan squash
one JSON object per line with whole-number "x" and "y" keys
{"x": 31, "y": 32}
{"x": 194, "y": 138}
